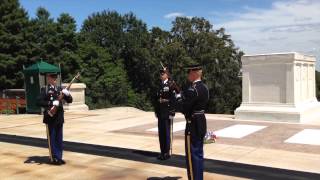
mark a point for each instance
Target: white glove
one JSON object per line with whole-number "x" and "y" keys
{"x": 179, "y": 97}
{"x": 65, "y": 92}
{"x": 55, "y": 103}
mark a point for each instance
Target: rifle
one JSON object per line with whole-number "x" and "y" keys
{"x": 162, "y": 66}
{"x": 177, "y": 90}
{"x": 173, "y": 84}
{"x": 53, "y": 110}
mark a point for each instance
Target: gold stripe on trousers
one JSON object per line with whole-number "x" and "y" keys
{"x": 49, "y": 142}
{"x": 189, "y": 156}
{"x": 171, "y": 135}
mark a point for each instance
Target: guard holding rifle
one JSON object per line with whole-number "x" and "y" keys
{"x": 164, "y": 103}
{"x": 195, "y": 100}
{"x": 51, "y": 99}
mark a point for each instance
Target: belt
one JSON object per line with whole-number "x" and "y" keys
{"x": 163, "y": 100}
{"x": 198, "y": 112}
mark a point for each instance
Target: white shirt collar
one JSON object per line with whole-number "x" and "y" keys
{"x": 197, "y": 80}
{"x": 165, "y": 81}
{"x": 52, "y": 86}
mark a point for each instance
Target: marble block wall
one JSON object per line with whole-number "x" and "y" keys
{"x": 77, "y": 91}
{"x": 278, "y": 87}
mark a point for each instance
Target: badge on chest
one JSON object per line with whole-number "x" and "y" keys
{"x": 165, "y": 89}
{"x": 52, "y": 94}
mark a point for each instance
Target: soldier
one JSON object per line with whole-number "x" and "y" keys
{"x": 48, "y": 98}
{"x": 164, "y": 103}
{"x": 195, "y": 99}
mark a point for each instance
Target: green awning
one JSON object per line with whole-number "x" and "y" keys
{"x": 42, "y": 67}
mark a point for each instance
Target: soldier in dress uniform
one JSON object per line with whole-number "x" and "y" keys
{"x": 164, "y": 103}
{"x": 195, "y": 99}
{"x": 48, "y": 98}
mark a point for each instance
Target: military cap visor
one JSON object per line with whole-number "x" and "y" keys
{"x": 162, "y": 71}
{"x": 195, "y": 67}
{"x": 53, "y": 75}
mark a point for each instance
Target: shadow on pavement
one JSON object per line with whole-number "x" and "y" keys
{"x": 37, "y": 160}
{"x": 164, "y": 178}
{"x": 146, "y": 153}
{"x": 210, "y": 165}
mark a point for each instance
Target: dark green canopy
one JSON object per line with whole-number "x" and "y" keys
{"x": 35, "y": 78}
{"x": 41, "y": 67}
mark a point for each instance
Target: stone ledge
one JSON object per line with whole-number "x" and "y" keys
{"x": 304, "y": 113}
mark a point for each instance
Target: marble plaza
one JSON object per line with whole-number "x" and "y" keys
{"x": 122, "y": 143}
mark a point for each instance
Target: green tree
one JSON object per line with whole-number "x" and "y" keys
{"x": 55, "y": 42}
{"x": 136, "y": 54}
{"x": 125, "y": 38}
{"x": 107, "y": 84}
{"x": 105, "y": 29}
{"x": 170, "y": 52}
{"x": 43, "y": 40}
{"x": 215, "y": 51}
{"x": 66, "y": 40}
{"x": 13, "y": 43}
{"x": 121, "y": 58}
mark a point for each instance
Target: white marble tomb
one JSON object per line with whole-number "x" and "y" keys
{"x": 278, "y": 87}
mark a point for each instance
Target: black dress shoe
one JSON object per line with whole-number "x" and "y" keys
{"x": 163, "y": 157}
{"x": 61, "y": 161}
{"x": 55, "y": 161}
{"x": 160, "y": 157}
{"x": 166, "y": 156}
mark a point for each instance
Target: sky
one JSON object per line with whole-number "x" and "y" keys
{"x": 256, "y": 26}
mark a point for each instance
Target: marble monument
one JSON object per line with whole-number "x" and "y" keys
{"x": 279, "y": 87}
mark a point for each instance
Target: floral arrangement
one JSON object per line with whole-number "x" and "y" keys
{"x": 210, "y": 137}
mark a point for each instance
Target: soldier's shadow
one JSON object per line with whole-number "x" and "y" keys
{"x": 164, "y": 178}
{"x": 37, "y": 160}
